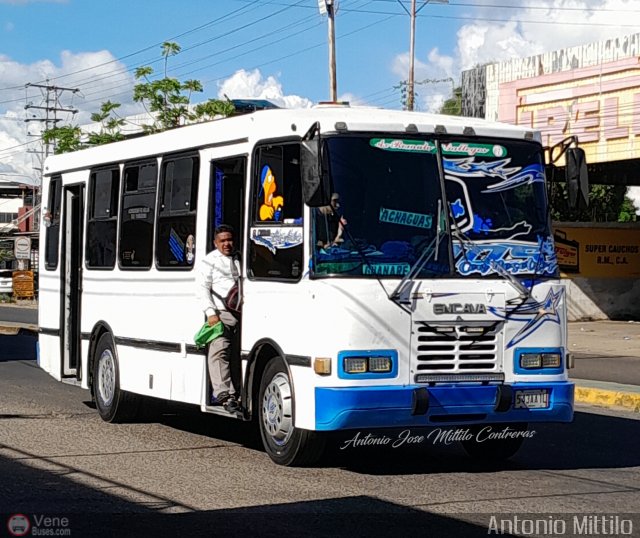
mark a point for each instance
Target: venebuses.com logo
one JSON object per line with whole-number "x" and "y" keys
{"x": 18, "y": 525}
{"x": 38, "y": 525}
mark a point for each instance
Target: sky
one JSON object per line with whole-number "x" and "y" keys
{"x": 269, "y": 49}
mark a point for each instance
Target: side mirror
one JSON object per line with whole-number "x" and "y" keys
{"x": 577, "y": 178}
{"x": 316, "y": 187}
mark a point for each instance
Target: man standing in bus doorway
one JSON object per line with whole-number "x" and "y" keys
{"x": 217, "y": 273}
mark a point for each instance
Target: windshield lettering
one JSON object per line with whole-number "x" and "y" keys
{"x": 406, "y": 218}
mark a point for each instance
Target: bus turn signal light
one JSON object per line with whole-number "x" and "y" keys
{"x": 322, "y": 365}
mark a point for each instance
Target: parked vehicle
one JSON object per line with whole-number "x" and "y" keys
{"x": 6, "y": 282}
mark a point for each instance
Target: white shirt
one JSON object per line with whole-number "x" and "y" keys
{"x": 214, "y": 273}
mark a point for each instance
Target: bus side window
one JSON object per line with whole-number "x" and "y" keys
{"x": 175, "y": 243}
{"x": 226, "y": 198}
{"x": 53, "y": 229}
{"x": 275, "y": 238}
{"x": 137, "y": 215}
{"x": 102, "y": 219}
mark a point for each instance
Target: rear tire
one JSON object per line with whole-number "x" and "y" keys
{"x": 284, "y": 443}
{"x": 113, "y": 404}
{"x": 493, "y": 450}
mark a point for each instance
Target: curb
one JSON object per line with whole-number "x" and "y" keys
{"x": 11, "y": 328}
{"x": 608, "y": 398}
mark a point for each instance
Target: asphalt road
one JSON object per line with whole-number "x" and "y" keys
{"x": 17, "y": 314}
{"x": 184, "y": 473}
{"x": 606, "y": 351}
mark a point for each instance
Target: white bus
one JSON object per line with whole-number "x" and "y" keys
{"x": 438, "y": 303}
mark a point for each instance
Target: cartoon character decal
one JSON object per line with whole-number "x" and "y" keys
{"x": 271, "y": 208}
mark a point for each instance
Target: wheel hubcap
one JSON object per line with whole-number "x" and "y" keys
{"x": 106, "y": 376}
{"x": 277, "y": 416}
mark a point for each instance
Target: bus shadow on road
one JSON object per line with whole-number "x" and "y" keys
{"x": 41, "y": 489}
{"x": 19, "y": 346}
{"x": 590, "y": 441}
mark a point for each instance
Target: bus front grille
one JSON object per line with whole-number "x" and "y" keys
{"x": 455, "y": 351}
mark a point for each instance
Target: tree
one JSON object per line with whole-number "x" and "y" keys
{"x": 66, "y": 138}
{"x": 110, "y": 130}
{"x": 607, "y": 203}
{"x": 167, "y": 100}
{"x": 453, "y": 105}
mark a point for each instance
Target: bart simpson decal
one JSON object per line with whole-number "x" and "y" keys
{"x": 271, "y": 209}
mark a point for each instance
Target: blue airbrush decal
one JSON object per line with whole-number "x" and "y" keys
{"x": 458, "y": 209}
{"x": 534, "y": 173}
{"x": 511, "y": 177}
{"x": 468, "y": 167}
{"x": 534, "y": 313}
{"x": 517, "y": 257}
{"x": 277, "y": 238}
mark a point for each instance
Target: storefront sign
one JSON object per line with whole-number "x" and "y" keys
{"x": 598, "y": 252}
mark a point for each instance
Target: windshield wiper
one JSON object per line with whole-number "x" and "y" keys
{"x": 426, "y": 255}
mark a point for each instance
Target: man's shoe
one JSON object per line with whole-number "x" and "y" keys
{"x": 231, "y": 405}
{"x": 220, "y": 398}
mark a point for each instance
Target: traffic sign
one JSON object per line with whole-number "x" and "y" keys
{"x": 22, "y": 248}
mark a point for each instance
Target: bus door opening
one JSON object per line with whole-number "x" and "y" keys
{"x": 71, "y": 280}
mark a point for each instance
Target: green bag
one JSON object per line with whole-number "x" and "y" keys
{"x": 208, "y": 333}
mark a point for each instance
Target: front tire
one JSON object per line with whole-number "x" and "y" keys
{"x": 113, "y": 404}
{"x": 494, "y": 450}
{"x": 284, "y": 443}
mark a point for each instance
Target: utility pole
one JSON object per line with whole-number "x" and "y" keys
{"x": 50, "y": 105}
{"x": 329, "y": 7}
{"x": 47, "y": 115}
{"x": 412, "y": 42}
{"x": 412, "y": 54}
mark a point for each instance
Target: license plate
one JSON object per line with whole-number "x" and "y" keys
{"x": 532, "y": 399}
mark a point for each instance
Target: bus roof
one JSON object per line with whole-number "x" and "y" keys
{"x": 280, "y": 123}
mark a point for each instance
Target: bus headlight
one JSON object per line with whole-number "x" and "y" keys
{"x": 546, "y": 360}
{"x": 551, "y": 360}
{"x": 355, "y": 365}
{"x": 379, "y": 364}
{"x": 531, "y": 360}
{"x": 368, "y": 364}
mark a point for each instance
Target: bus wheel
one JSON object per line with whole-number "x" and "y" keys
{"x": 494, "y": 450}
{"x": 113, "y": 404}
{"x": 285, "y": 444}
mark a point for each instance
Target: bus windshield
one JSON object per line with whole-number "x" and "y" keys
{"x": 388, "y": 207}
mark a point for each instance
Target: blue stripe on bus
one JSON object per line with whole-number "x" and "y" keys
{"x": 391, "y": 406}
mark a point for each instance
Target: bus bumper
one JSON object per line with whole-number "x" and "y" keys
{"x": 394, "y": 406}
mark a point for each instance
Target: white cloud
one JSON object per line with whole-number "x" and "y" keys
{"x": 95, "y": 85}
{"x": 251, "y": 85}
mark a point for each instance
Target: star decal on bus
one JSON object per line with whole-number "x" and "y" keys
{"x": 535, "y": 313}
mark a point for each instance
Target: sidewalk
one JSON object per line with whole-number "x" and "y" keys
{"x": 607, "y": 363}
